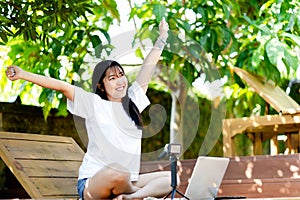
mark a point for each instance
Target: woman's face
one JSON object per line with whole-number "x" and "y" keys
{"x": 115, "y": 84}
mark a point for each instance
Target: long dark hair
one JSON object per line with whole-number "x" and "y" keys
{"x": 128, "y": 105}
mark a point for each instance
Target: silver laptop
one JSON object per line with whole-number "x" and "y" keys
{"x": 206, "y": 178}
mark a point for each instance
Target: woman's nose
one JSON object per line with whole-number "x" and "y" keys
{"x": 120, "y": 79}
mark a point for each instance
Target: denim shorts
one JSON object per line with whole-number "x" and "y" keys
{"x": 80, "y": 187}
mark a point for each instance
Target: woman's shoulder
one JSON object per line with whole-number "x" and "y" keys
{"x": 81, "y": 93}
{"x": 138, "y": 96}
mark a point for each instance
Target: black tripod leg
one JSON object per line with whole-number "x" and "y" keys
{"x": 182, "y": 195}
{"x": 168, "y": 194}
{"x": 173, "y": 159}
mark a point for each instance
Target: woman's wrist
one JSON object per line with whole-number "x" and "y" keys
{"x": 160, "y": 42}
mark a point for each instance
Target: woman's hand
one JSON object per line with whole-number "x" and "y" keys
{"x": 163, "y": 29}
{"x": 13, "y": 72}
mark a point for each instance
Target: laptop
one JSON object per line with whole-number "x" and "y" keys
{"x": 206, "y": 178}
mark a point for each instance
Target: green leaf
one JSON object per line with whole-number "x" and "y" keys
{"x": 295, "y": 38}
{"x": 68, "y": 32}
{"x": 138, "y": 53}
{"x": 146, "y": 34}
{"x": 226, "y": 10}
{"x": 3, "y": 36}
{"x": 159, "y": 11}
{"x": 111, "y": 6}
{"x": 98, "y": 50}
{"x": 258, "y": 53}
{"x": 290, "y": 59}
{"x": 202, "y": 11}
{"x": 261, "y": 27}
{"x": 46, "y": 109}
{"x": 105, "y": 33}
{"x": 56, "y": 47}
{"x": 45, "y": 26}
{"x": 95, "y": 40}
{"x": 62, "y": 109}
{"x": 15, "y": 51}
{"x": 80, "y": 35}
{"x": 184, "y": 25}
{"x": 59, "y": 4}
{"x": 4, "y": 19}
{"x": 43, "y": 96}
{"x": 275, "y": 50}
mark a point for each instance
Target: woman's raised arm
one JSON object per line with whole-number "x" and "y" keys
{"x": 152, "y": 58}
{"x": 15, "y": 73}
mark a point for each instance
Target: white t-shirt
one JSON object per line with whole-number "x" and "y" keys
{"x": 113, "y": 136}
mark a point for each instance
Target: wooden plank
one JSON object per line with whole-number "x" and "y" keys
{"x": 261, "y": 188}
{"x": 56, "y": 187}
{"x": 42, "y": 168}
{"x": 272, "y": 93}
{"x": 240, "y": 125}
{"x": 28, "y": 149}
{"x": 35, "y": 137}
{"x": 276, "y": 128}
{"x": 258, "y": 143}
{"x": 263, "y": 167}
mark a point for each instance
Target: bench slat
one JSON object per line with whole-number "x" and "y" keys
{"x": 260, "y": 167}
{"x": 28, "y": 149}
{"x": 263, "y": 188}
{"x": 56, "y": 187}
{"x": 35, "y": 137}
{"x": 42, "y": 168}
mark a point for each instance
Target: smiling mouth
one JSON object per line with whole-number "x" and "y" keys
{"x": 120, "y": 88}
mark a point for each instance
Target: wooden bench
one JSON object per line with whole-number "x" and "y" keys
{"x": 248, "y": 176}
{"x": 46, "y": 166}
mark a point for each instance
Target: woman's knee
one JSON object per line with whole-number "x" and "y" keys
{"x": 113, "y": 177}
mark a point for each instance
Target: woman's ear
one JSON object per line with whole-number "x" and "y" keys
{"x": 99, "y": 86}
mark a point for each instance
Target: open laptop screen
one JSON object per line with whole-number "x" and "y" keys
{"x": 206, "y": 178}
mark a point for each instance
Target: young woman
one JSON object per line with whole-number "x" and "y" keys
{"x": 110, "y": 168}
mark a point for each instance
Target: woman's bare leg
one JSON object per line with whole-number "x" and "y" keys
{"x": 156, "y": 184}
{"x": 110, "y": 181}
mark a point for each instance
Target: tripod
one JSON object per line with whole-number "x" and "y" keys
{"x": 173, "y": 160}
